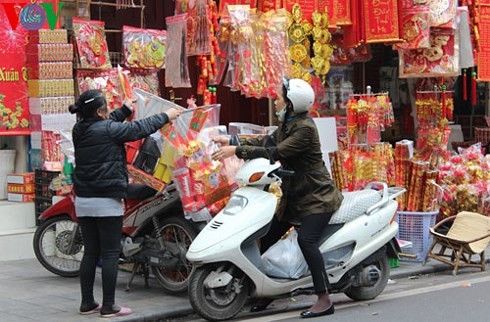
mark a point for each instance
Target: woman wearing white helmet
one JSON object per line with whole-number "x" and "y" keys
{"x": 309, "y": 197}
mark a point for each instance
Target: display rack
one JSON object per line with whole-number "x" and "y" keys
{"x": 86, "y": 5}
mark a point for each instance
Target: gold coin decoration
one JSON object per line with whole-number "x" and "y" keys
{"x": 299, "y": 49}
{"x": 322, "y": 49}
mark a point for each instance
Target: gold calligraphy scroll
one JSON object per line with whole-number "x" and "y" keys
{"x": 381, "y": 18}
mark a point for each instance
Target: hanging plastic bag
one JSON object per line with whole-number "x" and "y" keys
{"x": 284, "y": 259}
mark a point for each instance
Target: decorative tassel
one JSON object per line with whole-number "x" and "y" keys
{"x": 473, "y": 88}
{"x": 207, "y": 97}
{"x": 443, "y": 101}
{"x": 465, "y": 86}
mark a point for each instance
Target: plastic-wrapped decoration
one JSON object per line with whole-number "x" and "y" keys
{"x": 199, "y": 21}
{"x": 277, "y": 60}
{"x": 240, "y": 19}
{"x": 177, "y": 70}
{"x": 91, "y": 43}
{"x": 144, "y": 48}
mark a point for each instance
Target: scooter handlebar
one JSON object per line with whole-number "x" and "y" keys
{"x": 284, "y": 173}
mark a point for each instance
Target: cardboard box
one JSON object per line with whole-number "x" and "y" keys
{"x": 21, "y": 178}
{"x": 48, "y": 36}
{"x": 52, "y": 122}
{"x": 50, "y": 105}
{"x": 49, "y": 70}
{"x": 20, "y": 188}
{"x": 49, "y": 53}
{"x": 35, "y": 123}
{"x": 20, "y": 197}
{"x": 50, "y": 87}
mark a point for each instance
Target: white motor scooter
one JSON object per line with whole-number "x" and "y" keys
{"x": 356, "y": 246}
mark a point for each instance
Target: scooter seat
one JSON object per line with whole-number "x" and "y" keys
{"x": 354, "y": 205}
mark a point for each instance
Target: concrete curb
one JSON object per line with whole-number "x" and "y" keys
{"x": 405, "y": 270}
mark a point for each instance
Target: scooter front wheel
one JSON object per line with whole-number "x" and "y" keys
{"x": 58, "y": 246}
{"x": 218, "y": 303}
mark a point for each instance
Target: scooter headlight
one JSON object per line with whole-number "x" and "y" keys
{"x": 235, "y": 205}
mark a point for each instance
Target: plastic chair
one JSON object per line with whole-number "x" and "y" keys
{"x": 469, "y": 235}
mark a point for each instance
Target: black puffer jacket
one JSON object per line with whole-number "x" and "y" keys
{"x": 100, "y": 155}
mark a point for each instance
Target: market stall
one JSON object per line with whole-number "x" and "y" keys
{"x": 393, "y": 124}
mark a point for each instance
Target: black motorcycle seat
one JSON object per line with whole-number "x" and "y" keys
{"x": 354, "y": 205}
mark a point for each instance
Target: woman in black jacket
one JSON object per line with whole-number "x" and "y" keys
{"x": 100, "y": 182}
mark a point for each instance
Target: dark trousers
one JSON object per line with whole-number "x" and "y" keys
{"x": 309, "y": 233}
{"x": 101, "y": 239}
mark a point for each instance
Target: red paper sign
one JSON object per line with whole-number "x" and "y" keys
{"x": 266, "y": 5}
{"x": 381, "y": 17}
{"x": 14, "y": 109}
{"x": 307, "y": 7}
{"x": 331, "y": 7}
{"x": 483, "y": 55}
{"x": 343, "y": 12}
{"x": 353, "y": 33}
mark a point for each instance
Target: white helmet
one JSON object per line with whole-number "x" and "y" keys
{"x": 300, "y": 93}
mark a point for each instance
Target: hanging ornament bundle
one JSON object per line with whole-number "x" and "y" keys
{"x": 434, "y": 109}
{"x": 367, "y": 116}
{"x": 322, "y": 48}
{"x": 299, "y": 49}
{"x": 207, "y": 63}
{"x": 256, "y": 51}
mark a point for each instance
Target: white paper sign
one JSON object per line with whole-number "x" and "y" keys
{"x": 327, "y": 130}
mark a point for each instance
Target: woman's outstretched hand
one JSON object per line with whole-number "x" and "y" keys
{"x": 222, "y": 140}
{"x": 129, "y": 103}
{"x": 224, "y": 152}
{"x": 173, "y": 113}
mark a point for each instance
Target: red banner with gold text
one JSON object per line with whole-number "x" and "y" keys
{"x": 14, "y": 110}
{"x": 483, "y": 54}
{"x": 331, "y": 8}
{"x": 381, "y": 21}
{"x": 343, "y": 12}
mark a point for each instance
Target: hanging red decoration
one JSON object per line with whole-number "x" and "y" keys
{"x": 473, "y": 88}
{"x": 465, "y": 86}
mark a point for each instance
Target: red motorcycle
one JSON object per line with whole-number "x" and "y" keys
{"x": 155, "y": 237}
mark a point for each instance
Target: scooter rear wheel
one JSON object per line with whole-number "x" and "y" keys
{"x": 370, "y": 292}
{"x": 58, "y": 246}
{"x": 221, "y": 303}
{"x": 177, "y": 230}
